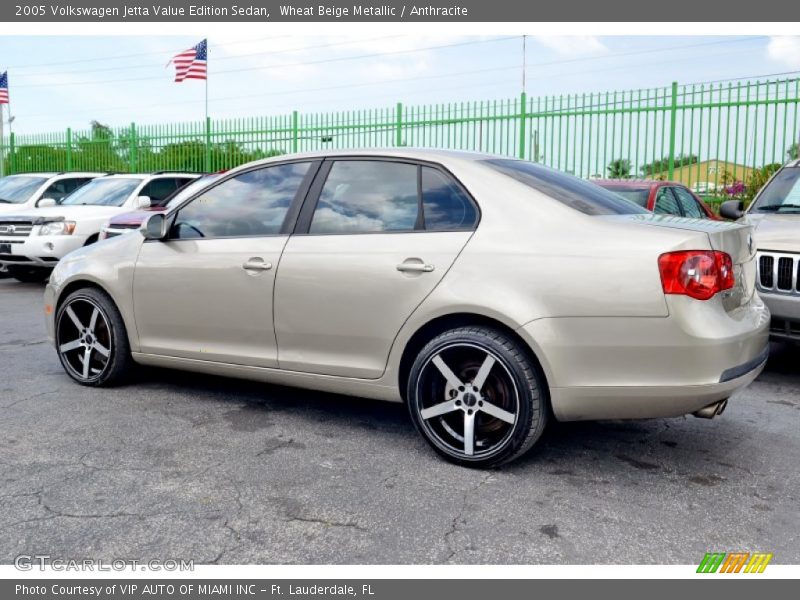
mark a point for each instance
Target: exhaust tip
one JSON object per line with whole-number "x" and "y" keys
{"x": 712, "y": 410}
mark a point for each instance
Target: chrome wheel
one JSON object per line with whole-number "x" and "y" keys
{"x": 83, "y": 339}
{"x": 467, "y": 401}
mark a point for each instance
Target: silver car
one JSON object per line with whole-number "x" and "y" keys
{"x": 488, "y": 294}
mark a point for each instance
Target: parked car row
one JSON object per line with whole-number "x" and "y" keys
{"x": 44, "y": 227}
{"x": 488, "y": 294}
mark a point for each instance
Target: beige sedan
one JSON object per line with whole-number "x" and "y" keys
{"x": 488, "y": 294}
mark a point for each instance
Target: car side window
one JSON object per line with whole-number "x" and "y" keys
{"x": 689, "y": 204}
{"x": 159, "y": 189}
{"x": 445, "y": 205}
{"x": 666, "y": 204}
{"x": 367, "y": 196}
{"x": 58, "y": 190}
{"x": 252, "y": 204}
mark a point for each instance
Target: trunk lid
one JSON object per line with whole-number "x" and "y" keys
{"x": 735, "y": 239}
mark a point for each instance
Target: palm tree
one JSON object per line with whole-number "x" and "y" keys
{"x": 619, "y": 168}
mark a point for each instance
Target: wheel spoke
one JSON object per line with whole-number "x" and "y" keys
{"x": 469, "y": 434}
{"x": 93, "y": 320}
{"x": 438, "y": 409}
{"x": 71, "y": 314}
{"x": 483, "y": 372}
{"x": 101, "y": 349}
{"x": 445, "y": 370}
{"x": 69, "y": 346}
{"x": 497, "y": 412}
{"x": 87, "y": 356}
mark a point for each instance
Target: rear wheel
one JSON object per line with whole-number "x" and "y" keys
{"x": 29, "y": 274}
{"x": 91, "y": 340}
{"x": 475, "y": 396}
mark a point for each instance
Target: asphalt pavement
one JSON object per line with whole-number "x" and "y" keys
{"x": 181, "y": 466}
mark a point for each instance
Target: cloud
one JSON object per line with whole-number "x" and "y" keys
{"x": 785, "y": 49}
{"x": 572, "y": 45}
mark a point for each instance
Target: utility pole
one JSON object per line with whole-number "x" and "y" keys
{"x": 524, "y": 60}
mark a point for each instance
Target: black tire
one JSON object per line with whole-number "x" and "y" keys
{"x": 29, "y": 274}
{"x": 107, "y": 336}
{"x": 511, "y": 383}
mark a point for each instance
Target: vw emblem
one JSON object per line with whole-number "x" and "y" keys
{"x": 6, "y": 229}
{"x": 750, "y": 244}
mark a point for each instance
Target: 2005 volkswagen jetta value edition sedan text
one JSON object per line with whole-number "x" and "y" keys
{"x": 488, "y": 294}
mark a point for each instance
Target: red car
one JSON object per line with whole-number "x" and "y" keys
{"x": 660, "y": 197}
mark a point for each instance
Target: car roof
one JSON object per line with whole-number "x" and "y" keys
{"x": 49, "y": 175}
{"x": 422, "y": 154}
{"x": 146, "y": 175}
{"x": 635, "y": 183}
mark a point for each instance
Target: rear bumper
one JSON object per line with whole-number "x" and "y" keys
{"x": 617, "y": 368}
{"x": 40, "y": 251}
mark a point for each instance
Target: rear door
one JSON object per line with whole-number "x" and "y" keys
{"x": 689, "y": 204}
{"x": 374, "y": 238}
{"x": 666, "y": 203}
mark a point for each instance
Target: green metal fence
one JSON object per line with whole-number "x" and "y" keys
{"x": 707, "y": 135}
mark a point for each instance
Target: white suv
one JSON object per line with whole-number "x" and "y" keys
{"x": 32, "y": 242}
{"x": 32, "y": 190}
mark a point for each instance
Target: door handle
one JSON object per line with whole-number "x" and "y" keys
{"x": 415, "y": 267}
{"x": 257, "y": 264}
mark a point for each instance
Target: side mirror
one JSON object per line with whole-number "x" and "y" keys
{"x": 143, "y": 202}
{"x": 732, "y": 209}
{"x": 44, "y": 202}
{"x": 154, "y": 227}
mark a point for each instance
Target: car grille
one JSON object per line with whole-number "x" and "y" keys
{"x": 15, "y": 229}
{"x": 779, "y": 273}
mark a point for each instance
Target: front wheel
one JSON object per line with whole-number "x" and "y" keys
{"x": 91, "y": 340}
{"x": 475, "y": 396}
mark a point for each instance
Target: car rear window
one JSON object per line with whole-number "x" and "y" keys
{"x": 576, "y": 193}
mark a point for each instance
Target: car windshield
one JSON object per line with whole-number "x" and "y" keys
{"x": 638, "y": 195}
{"x": 17, "y": 189}
{"x": 576, "y": 193}
{"x": 181, "y": 194}
{"x": 104, "y": 192}
{"x": 781, "y": 194}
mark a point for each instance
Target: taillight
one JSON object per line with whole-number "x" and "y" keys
{"x": 696, "y": 273}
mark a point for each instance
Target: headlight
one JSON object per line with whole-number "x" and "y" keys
{"x": 57, "y": 228}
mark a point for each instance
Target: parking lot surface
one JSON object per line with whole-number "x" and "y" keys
{"x": 178, "y": 465}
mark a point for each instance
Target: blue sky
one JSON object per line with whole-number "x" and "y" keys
{"x": 59, "y": 82}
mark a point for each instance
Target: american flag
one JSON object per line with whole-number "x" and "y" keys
{"x": 4, "y": 88}
{"x": 191, "y": 63}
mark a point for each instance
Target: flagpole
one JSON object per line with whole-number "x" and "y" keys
{"x": 208, "y": 123}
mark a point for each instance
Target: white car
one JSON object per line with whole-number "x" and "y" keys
{"x": 32, "y": 190}
{"x": 32, "y": 242}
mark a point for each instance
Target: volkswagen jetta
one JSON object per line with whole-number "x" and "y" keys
{"x": 488, "y": 294}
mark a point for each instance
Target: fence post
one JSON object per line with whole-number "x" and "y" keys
{"x": 522, "y": 116}
{"x": 295, "y": 131}
{"x": 134, "y": 142}
{"x": 12, "y": 155}
{"x": 208, "y": 145}
{"x": 673, "y": 117}
{"x": 398, "y": 133}
{"x": 69, "y": 149}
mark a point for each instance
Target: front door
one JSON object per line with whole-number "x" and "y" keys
{"x": 380, "y": 238}
{"x": 206, "y": 292}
